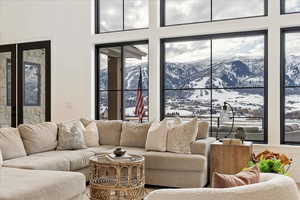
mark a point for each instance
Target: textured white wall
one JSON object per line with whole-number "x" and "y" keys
{"x": 69, "y": 25}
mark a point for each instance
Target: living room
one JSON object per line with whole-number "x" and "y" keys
{"x": 154, "y": 66}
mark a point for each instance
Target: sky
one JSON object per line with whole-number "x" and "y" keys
{"x": 292, "y": 5}
{"x": 293, "y": 44}
{"x": 191, "y": 51}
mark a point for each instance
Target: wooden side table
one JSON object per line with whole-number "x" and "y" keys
{"x": 229, "y": 159}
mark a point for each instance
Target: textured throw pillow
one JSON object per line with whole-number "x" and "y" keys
{"x": 157, "y": 136}
{"x": 11, "y": 143}
{"x": 40, "y": 137}
{"x": 110, "y": 132}
{"x": 180, "y": 137}
{"x": 91, "y": 136}
{"x": 86, "y": 122}
{"x": 202, "y": 130}
{"x": 134, "y": 134}
{"x": 70, "y": 135}
{"x": 246, "y": 177}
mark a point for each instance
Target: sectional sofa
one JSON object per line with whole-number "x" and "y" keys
{"x": 32, "y": 168}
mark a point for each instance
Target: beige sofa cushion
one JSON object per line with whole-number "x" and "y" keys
{"x": 102, "y": 149}
{"x": 202, "y": 130}
{"x": 20, "y": 184}
{"x": 173, "y": 161}
{"x": 78, "y": 159}
{"x": 40, "y": 137}
{"x": 180, "y": 137}
{"x": 134, "y": 134}
{"x": 202, "y": 146}
{"x": 11, "y": 143}
{"x": 70, "y": 135}
{"x": 39, "y": 163}
{"x": 135, "y": 150}
{"x": 110, "y": 132}
{"x": 157, "y": 136}
{"x": 91, "y": 136}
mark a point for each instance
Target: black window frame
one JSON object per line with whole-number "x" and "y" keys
{"x": 283, "y": 11}
{"x": 283, "y": 32}
{"x": 122, "y": 90}
{"x": 97, "y": 20}
{"x": 20, "y": 74}
{"x": 163, "y": 15}
{"x": 211, "y": 88}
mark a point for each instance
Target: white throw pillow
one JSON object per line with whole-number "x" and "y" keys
{"x": 180, "y": 137}
{"x": 70, "y": 135}
{"x": 91, "y": 136}
{"x": 157, "y": 136}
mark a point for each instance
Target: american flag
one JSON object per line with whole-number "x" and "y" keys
{"x": 140, "y": 107}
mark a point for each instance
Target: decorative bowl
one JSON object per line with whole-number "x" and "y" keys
{"x": 119, "y": 152}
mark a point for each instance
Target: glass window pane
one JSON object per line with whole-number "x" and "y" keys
{"x": 34, "y": 85}
{"x": 187, "y": 103}
{"x": 130, "y": 104}
{"x": 245, "y": 102}
{"x": 224, "y": 9}
{"x": 187, "y": 11}
{"x": 240, "y": 64}
{"x": 135, "y": 59}
{"x": 187, "y": 64}
{"x": 110, "y": 68}
{"x": 111, "y": 15}
{"x": 136, "y": 13}
{"x": 292, "y": 115}
{"x": 292, "y": 6}
{"x": 248, "y": 107}
{"x": 5, "y": 89}
{"x": 292, "y": 52}
{"x": 110, "y": 105}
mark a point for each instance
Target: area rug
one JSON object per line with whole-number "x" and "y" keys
{"x": 147, "y": 191}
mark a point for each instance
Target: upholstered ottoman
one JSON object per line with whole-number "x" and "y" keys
{"x": 21, "y": 184}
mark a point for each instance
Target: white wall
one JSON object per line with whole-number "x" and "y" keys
{"x": 68, "y": 24}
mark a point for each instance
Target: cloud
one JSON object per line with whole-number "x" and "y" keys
{"x": 191, "y": 51}
{"x": 292, "y": 5}
{"x": 293, "y": 44}
{"x": 135, "y": 14}
{"x": 225, "y": 9}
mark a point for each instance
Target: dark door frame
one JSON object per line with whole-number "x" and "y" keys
{"x": 12, "y": 49}
{"x": 32, "y": 46}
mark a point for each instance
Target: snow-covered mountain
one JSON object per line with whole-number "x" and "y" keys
{"x": 239, "y": 81}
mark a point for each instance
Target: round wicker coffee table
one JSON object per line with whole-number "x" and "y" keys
{"x": 117, "y": 178}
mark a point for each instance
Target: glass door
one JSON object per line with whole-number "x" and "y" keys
{"x": 7, "y": 86}
{"x": 34, "y": 82}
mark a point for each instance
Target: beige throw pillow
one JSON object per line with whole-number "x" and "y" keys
{"x": 157, "y": 136}
{"x": 134, "y": 134}
{"x": 70, "y": 135}
{"x": 11, "y": 143}
{"x": 202, "y": 130}
{"x": 109, "y": 130}
{"x": 40, "y": 137}
{"x": 91, "y": 136}
{"x": 180, "y": 137}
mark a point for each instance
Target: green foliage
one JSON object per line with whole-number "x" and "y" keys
{"x": 269, "y": 166}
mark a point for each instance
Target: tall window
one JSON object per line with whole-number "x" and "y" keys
{"x": 290, "y": 75}
{"x": 290, "y": 6}
{"x": 194, "y": 11}
{"x": 120, "y": 15}
{"x": 118, "y": 70}
{"x": 201, "y": 73}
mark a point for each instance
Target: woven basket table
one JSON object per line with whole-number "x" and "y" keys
{"x": 117, "y": 178}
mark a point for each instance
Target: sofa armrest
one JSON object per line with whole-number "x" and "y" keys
{"x": 202, "y": 146}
